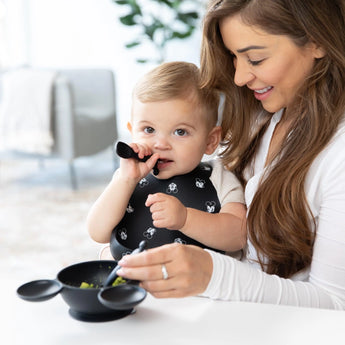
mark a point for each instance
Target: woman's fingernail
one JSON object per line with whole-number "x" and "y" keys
{"x": 123, "y": 261}
{"x": 120, "y": 272}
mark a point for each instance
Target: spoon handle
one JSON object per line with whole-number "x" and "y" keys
{"x": 123, "y": 150}
{"x": 113, "y": 274}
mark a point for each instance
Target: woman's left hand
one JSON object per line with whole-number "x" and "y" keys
{"x": 189, "y": 270}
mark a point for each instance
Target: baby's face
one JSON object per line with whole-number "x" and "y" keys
{"x": 176, "y": 129}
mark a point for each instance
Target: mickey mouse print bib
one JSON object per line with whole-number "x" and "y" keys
{"x": 194, "y": 190}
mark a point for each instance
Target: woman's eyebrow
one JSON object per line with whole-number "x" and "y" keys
{"x": 243, "y": 50}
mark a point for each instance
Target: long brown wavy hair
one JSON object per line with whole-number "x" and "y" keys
{"x": 280, "y": 223}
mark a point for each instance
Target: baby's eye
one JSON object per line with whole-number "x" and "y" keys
{"x": 149, "y": 130}
{"x": 181, "y": 132}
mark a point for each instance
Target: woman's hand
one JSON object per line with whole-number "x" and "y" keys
{"x": 189, "y": 270}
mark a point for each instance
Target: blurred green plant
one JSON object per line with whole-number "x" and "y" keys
{"x": 160, "y": 21}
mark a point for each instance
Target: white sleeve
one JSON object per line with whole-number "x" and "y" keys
{"x": 324, "y": 287}
{"x": 234, "y": 280}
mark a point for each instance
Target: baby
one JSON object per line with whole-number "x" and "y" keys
{"x": 174, "y": 120}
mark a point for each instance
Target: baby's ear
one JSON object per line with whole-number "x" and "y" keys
{"x": 129, "y": 126}
{"x": 213, "y": 140}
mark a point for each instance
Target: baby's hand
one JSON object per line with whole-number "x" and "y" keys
{"x": 141, "y": 149}
{"x": 167, "y": 211}
{"x": 133, "y": 169}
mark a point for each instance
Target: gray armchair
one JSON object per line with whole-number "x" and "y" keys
{"x": 83, "y": 114}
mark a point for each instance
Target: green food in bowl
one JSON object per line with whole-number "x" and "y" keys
{"x": 117, "y": 281}
{"x": 85, "y": 285}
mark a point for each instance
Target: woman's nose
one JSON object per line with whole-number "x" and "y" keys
{"x": 243, "y": 74}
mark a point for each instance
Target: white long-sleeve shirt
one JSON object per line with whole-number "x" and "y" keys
{"x": 322, "y": 284}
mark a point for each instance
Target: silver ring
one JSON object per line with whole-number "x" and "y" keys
{"x": 165, "y": 272}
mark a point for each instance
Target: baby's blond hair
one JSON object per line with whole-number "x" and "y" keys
{"x": 178, "y": 80}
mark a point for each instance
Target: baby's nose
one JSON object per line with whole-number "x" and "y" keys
{"x": 161, "y": 143}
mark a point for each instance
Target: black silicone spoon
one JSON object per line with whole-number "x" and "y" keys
{"x": 123, "y": 150}
{"x": 113, "y": 274}
{"x": 123, "y": 296}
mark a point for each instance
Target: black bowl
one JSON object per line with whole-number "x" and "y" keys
{"x": 84, "y": 303}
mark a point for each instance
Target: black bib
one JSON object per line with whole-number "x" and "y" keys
{"x": 194, "y": 190}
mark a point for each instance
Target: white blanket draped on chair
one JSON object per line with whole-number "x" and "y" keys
{"x": 26, "y": 111}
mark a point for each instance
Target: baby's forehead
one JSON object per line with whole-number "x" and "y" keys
{"x": 194, "y": 105}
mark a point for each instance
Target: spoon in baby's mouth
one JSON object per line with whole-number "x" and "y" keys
{"x": 123, "y": 150}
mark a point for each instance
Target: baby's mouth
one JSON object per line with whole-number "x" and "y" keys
{"x": 163, "y": 161}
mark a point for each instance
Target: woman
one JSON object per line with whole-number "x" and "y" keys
{"x": 281, "y": 67}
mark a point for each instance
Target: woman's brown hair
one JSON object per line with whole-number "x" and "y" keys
{"x": 280, "y": 223}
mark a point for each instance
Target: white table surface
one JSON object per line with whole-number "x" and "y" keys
{"x": 189, "y": 321}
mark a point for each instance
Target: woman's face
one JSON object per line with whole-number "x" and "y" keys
{"x": 273, "y": 66}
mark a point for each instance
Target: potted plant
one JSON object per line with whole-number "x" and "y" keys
{"x": 160, "y": 21}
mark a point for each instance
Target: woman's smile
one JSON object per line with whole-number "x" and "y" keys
{"x": 262, "y": 94}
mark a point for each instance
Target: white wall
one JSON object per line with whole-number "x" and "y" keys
{"x": 87, "y": 33}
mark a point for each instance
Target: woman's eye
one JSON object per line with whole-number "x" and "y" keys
{"x": 255, "y": 62}
{"x": 149, "y": 130}
{"x": 181, "y": 132}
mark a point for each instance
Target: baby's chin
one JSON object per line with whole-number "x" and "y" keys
{"x": 166, "y": 174}
{"x": 163, "y": 175}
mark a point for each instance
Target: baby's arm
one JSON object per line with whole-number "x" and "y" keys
{"x": 110, "y": 207}
{"x": 225, "y": 230}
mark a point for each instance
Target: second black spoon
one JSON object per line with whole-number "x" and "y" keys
{"x": 123, "y": 296}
